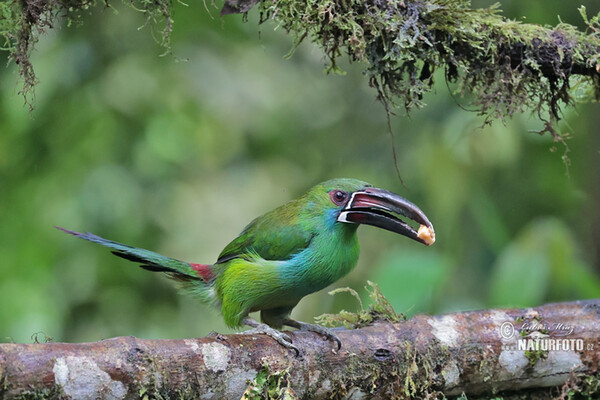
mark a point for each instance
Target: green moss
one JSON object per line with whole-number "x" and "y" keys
{"x": 21, "y": 23}
{"x": 529, "y": 328}
{"x": 535, "y": 355}
{"x": 404, "y": 373}
{"x": 55, "y": 392}
{"x": 582, "y": 387}
{"x": 380, "y": 309}
{"x": 503, "y": 66}
{"x": 269, "y": 385}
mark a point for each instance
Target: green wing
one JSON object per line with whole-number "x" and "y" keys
{"x": 276, "y": 235}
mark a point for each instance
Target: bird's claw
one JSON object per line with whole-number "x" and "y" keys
{"x": 334, "y": 338}
{"x": 321, "y": 330}
{"x": 280, "y": 337}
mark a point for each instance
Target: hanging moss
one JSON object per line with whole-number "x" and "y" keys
{"x": 22, "y": 21}
{"x": 503, "y": 66}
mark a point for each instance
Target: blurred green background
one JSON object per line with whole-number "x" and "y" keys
{"x": 178, "y": 154}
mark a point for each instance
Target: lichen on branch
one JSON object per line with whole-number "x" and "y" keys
{"x": 502, "y": 66}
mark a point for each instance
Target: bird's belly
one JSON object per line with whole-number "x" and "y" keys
{"x": 247, "y": 286}
{"x": 252, "y": 285}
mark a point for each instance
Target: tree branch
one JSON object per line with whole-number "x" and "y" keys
{"x": 451, "y": 354}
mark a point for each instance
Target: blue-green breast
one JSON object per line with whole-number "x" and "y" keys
{"x": 332, "y": 253}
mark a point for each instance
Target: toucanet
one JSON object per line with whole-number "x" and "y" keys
{"x": 296, "y": 249}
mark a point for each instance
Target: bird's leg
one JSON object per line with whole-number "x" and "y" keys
{"x": 280, "y": 337}
{"x": 303, "y": 326}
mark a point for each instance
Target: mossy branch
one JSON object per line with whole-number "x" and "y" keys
{"x": 502, "y": 66}
{"x": 424, "y": 357}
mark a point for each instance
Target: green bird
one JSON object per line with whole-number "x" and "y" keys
{"x": 296, "y": 249}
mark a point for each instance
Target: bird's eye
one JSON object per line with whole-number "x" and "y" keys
{"x": 338, "y": 197}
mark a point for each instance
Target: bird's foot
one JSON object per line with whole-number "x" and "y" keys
{"x": 321, "y": 330}
{"x": 279, "y": 337}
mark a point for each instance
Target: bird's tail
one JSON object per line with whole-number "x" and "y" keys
{"x": 179, "y": 270}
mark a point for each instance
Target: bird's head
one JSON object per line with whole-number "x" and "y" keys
{"x": 354, "y": 202}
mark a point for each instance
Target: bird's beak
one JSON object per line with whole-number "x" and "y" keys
{"x": 376, "y": 207}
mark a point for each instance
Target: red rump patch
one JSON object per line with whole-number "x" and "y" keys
{"x": 203, "y": 270}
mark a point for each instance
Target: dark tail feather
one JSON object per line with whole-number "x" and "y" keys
{"x": 151, "y": 261}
